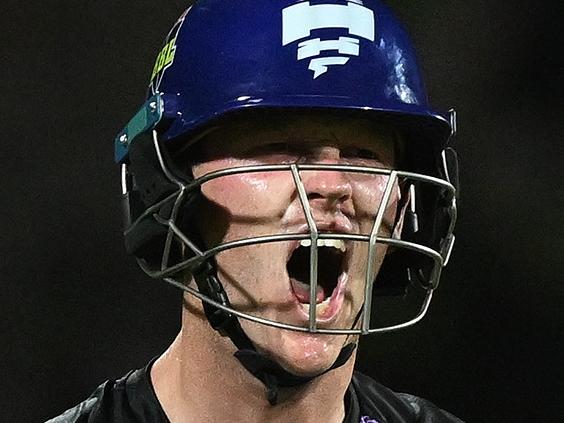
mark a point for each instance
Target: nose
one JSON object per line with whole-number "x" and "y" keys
{"x": 329, "y": 189}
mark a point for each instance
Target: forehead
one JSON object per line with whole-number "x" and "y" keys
{"x": 305, "y": 129}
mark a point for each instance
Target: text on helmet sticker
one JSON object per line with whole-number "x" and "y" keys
{"x": 166, "y": 56}
{"x": 300, "y": 19}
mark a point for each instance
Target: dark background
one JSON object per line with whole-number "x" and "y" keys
{"x": 75, "y": 310}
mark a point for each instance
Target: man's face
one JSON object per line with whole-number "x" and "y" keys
{"x": 272, "y": 280}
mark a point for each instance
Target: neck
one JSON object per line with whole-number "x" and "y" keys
{"x": 198, "y": 379}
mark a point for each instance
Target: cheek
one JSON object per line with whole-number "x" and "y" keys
{"x": 252, "y": 195}
{"x": 368, "y": 195}
{"x": 369, "y": 192}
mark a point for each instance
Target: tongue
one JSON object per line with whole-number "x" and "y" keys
{"x": 301, "y": 291}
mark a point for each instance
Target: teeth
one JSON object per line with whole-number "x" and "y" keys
{"x": 319, "y": 308}
{"x": 339, "y": 244}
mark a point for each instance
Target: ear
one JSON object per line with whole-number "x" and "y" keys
{"x": 403, "y": 203}
{"x": 404, "y": 198}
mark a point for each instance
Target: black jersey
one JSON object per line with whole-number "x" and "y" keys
{"x": 132, "y": 399}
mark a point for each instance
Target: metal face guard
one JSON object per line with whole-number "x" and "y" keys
{"x": 170, "y": 271}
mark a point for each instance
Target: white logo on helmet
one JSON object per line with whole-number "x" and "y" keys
{"x": 300, "y": 19}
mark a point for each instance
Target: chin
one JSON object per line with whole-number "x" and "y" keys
{"x": 305, "y": 354}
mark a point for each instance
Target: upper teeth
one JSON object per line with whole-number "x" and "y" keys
{"x": 335, "y": 243}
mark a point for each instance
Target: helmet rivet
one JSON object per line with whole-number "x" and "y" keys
{"x": 123, "y": 139}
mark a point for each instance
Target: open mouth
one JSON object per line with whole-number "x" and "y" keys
{"x": 331, "y": 275}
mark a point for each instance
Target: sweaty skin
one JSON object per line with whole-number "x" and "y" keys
{"x": 199, "y": 368}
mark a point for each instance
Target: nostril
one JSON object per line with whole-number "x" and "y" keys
{"x": 330, "y": 198}
{"x": 330, "y": 189}
{"x": 314, "y": 196}
{"x": 329, "y": 186}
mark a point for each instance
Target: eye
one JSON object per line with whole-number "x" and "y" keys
{"x": 367, "y": 154}
{"x": 360, "y": 153}
{"x": 278, "y": 147}
{"x": 274, "y": 153}
{"x": 271, "y": 148}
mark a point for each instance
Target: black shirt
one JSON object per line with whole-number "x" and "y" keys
{"x": 132, "y": 399}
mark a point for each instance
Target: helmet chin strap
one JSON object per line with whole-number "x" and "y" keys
{"x": 269, "y": 372}
{"x": 274, "y": 376}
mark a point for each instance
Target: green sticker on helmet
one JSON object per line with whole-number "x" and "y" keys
{"x": 165, "y": 58}
{"x": 166, "y": 55}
